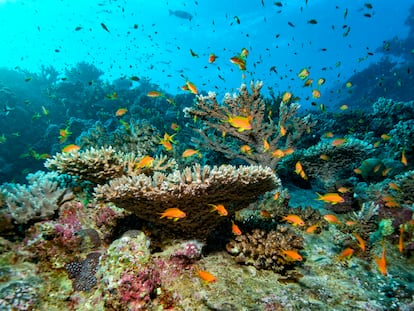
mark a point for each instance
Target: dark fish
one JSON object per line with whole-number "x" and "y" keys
{"x": 237, "y": 19}
{"x": 78, "y": 28}
{"x": 291, "y": 24}
{"x": 368, "y": 5}
{"x": 312, "y": 21}
{"x": 181, "y": 14}
{"x": 345, "y": 13}
{"x": 104, "y": 27}
{"x": 134, "y": 78}
{"x": 278, "y": 3}
{"x": 367, "y": 15}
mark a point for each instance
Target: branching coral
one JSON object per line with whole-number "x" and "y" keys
{"x": 191, "y": 190}
{"x": 136, "y": 136}
{"x": 264, "y": 250}
{"x": 100, "y": 165}
{"x": 37, "y": 201}
{"x": 261, "y": 140}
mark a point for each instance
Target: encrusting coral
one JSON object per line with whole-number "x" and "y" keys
{"x": 36, "y": 201}
{"x": 190, "y": 190}
{"x": 101, "y": 165}
{"x": 243, "y": 127}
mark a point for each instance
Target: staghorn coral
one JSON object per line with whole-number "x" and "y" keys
{"x": 191, "y": 190}
{"x": 101, "y": 165}
{"x": 264, "y": 250}
{"x": 221, "y": 136}
{"x": 36, "y": 201}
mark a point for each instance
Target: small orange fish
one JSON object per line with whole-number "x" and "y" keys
{"x": 64, "y": 134}
{"x": 324, "y": 157}
{"x": 295, "y": 220}
{"x": 401, "y": 239}
{"x": 385, "y": 137}
{"x": 246, "y": 149}
{"x": 154, "y": 94}
{"x": 282, "y": 130}
{"x": 276, "y": 196}
{"x": 286, "y": 97}
{"x": 241, "y": 123}
{"x": 192, "y": 88}
{"x": 350, "y": 223}
{"x": 173, "y": 213}
{"x": 328, "y": 135}
{"x": 278, "y": 153}
{"x": 311, "y": 229}
{"x": 239, "y": 61}
{"x": 146, "y": 161}
{"x": 357, "y": 171}
{"x": 403, "y": 158}
{"x": 344, "y": 189}
{"x": 244, "y": 53}
{"x": 303, "y": 74}
{"x": 344, "y": 107}
{"x": 221, "y": 210}
{"x": 166, "y": 144}
{"x": 361, "y": 242}
{"x": 266, "y": 145}
{"x": 168, "y": 137}
{"x": 346, "y": 253}
{"x": 120, "y": 112}
{"x": 235, "y": 229}
{"x": 390, "y": 201}
{"x": 70, "y": 148}
{"x": 289, "y": 151}
{"x": 206, "y": 276}
{"x": 338, "y": 142}
{"x": 212, "y": 58}
{"x": 299, "y": 170}
{"x": 394, "y": 186}
{"x": 386, "y": 171}
{"x": 332, "y": 219}
{"x": 382, "y": 263}
{"x": 292, "y": 254}
{"x": 321, "y": 81}
{"x": 316, "y": 94}
{"x": 191, "y": 152}
{"x": 175, "y": 127}
{"x": 265, "y": 214}
{"x": 308, "y": 82}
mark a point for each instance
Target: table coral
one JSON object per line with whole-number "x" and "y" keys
{"x": 263, "y": 134}
{"x": 191, "y": 190}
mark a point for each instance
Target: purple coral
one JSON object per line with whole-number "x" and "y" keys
{"x": 137, "y": 289}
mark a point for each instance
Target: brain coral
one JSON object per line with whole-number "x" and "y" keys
{"x": 190, "y": 190}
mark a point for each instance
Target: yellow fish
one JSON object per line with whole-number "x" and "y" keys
{"x": 333, "y": 198}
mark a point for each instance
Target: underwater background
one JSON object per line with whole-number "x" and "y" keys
{"x": 206, "y": 155}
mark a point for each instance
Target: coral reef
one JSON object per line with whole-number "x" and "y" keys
{"x": 265, "y": 250}
{"x": 243, "y": 127}
{"x": 18, "y": 295}
{"x": 36, "y": 201}
{"x": 191, "y": 190}
{"x": 83, "y": 272}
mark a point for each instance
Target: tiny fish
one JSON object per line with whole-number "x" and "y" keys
{"x": 104, "y": 27}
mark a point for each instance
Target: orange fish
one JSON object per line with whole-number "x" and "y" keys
{"x": 403, "y": 158}
{"x": 173, "y": 213}
{"x": 338, "y": 142}
{"x": 390, "y": 201}
{"x": 321, "y": 81}
{"x": 332, "y": 198}
{"x": 385, "y": 137}
{"x": 175, "y": 127}
{"x": 239, "y": 61}
{"x": 282, "y": 130}
{"x": 308, "y": 82}
{"x": 168, "y": 137}
{"x": 266, "y": 145}
{"x": 328, "y": 134}
{"x": 221, "y": 210}
{"x": 206, "y": 276}
{"x": 278, "y": 153}
{"x": 350, "y": 223}
{"x": 246, "y": 149}
{"x": 303, "y": 74}
{"x": 400, "y": 239}
{"x": 286, "y": 97}
{"x": 70, "y": 148}
{"x": 382, "y": 263}
{"x": 192, "y": 88}
{"x": 295, "y": 220}
{"x": 64, "y": 134}
{"x": 292, "y": 254}
{"x": 154, "y": 94}
{"x": 299, "y": 170}
{"x": 357, "y": 171}
{"x": 344, "y": 189}
{"x": 360, "y": 242}
{"x": 346, "y": 253}
{"x": 120, "y": 112}
{"x": 146, "y": 161}
{"x": 190, "y": 152}
{"x": 265, "y": 214}
{"x": 332, "y": 219}
{"x": 212, "y": 58}
{"x": 289, "y": 151}
{"x": 241, "y": 123}
{"x": 311, "y": 229}
{"x": 235, "y": 229}
{"x": 276, "y": 196}
{"x": 394, "y": 186}
{"x": 324, "y": 157}
{"x": 166, "y": 144}
{"x": 316, "y": 94}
